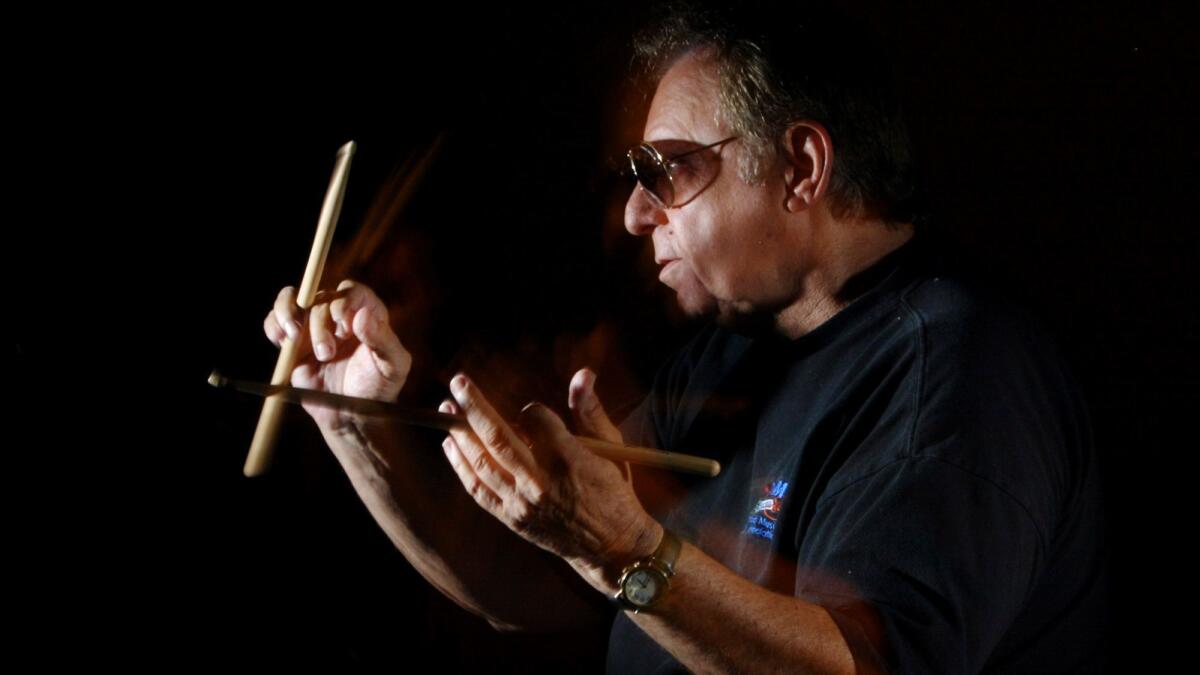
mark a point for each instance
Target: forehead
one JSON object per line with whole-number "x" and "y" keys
{"x": 685, "y": 102}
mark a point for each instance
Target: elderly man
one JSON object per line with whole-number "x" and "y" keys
{"x": 909, "y": 482}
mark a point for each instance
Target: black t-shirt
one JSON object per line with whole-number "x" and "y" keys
{"x": 923, "y": 454}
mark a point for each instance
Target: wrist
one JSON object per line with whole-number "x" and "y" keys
{"x": 643, "y": 541}
{"x": 360, "y": 445}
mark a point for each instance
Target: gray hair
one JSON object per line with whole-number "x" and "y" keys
{"x": 773, "y": 72}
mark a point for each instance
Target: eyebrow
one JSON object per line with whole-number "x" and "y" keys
{"x": 670, "y": 146}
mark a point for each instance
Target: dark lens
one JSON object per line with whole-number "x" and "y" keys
{"x": 650, "y": 174}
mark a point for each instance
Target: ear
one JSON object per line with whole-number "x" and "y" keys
{"x": 808, "y": 154}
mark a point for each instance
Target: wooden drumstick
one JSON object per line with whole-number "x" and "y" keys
{"x": 259, "y": 457}
{"x": 671, "y": 461}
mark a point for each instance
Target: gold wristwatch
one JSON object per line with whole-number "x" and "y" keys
{"x": 644, "y": 583}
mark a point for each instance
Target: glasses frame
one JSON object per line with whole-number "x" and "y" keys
{"x": 664, "y": 164}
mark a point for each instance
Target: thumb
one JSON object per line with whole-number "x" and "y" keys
{"x": 590, "y": 417}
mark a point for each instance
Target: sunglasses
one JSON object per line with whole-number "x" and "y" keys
{"x": 675, "y": 179}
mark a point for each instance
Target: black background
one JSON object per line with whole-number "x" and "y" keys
{"x": 167, "y": 172}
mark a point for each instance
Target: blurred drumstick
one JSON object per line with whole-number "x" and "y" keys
{"x": 444, "y": 421}
{"x": 265, "y": 434}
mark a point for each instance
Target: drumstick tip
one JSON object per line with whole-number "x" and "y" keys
{"x": 216, "y": 379}
{"x": 347, "y": 149}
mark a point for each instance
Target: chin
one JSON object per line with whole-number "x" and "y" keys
{"x": 740, "y": 320}
{"x": 695, "y": 302}
{"x": 697, "y": 309}
{"x": 738, "y": 317}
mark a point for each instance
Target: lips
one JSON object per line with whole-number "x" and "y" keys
{"x": 667, "y": 265}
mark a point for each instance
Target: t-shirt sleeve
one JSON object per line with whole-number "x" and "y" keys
{"x": 922, "y": 564}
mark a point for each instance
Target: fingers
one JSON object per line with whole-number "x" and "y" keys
{"x": 391, "y": 359}
{"x": 355, "y": 310}
{"x": 352, "y": 297}
{"x": 502, "y": 443}
{"x": 287, "y": 313}
{"x": 271, "y": 327}
{"x": 320, "y": 326}
{"x": 285, "y": 317}
{"x": 478, "y": 471}
{"x": 483, "y": 495}
{"x": 333, "y": 313}
{"x": 589, "y": 414}
{"x": 306, "y": 376}
{"x": 550, "y": 439}
{"x": 331, "y": 316}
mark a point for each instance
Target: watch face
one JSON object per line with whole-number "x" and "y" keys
{"x": 642, "y": 587}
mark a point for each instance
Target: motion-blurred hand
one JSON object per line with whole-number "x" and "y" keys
{"x": 352, "y": 351}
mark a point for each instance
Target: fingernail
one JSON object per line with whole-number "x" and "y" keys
{"x": 342, "y": 330}
{"x": 458, "y": 384}
{"x": 322, "y": 350}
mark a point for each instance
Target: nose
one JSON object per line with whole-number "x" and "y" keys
{"x": 642, "y": 214}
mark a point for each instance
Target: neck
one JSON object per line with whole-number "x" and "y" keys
{"x": 837, "y": 252}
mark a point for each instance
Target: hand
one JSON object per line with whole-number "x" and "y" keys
{"x": 353, "y": 348}
{"x": 546, "y": 487}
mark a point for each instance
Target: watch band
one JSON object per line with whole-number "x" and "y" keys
{"x": 668, "y": 550}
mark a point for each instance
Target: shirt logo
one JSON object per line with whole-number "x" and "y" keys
{"x": 761, "y": 522}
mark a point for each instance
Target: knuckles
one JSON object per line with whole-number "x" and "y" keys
{"x": 534, "y": 491}
{"x": 494, "y": 437}
{"x": 481, "y": 464}
{"x": 521, "y": 514}
{"x": 478, "y": 490}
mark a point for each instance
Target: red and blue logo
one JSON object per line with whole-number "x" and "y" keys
{"x": 761, "y": 522}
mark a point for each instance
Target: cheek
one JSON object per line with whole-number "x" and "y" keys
{"x": 743, "y": 240}
{"x": 718, "y": 254}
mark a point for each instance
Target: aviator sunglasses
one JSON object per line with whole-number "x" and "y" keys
{"x": 672, "y": 180}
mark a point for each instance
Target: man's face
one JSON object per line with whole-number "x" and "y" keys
{"x": 724, "y": 249}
